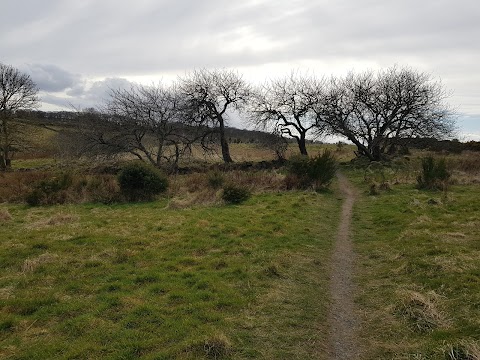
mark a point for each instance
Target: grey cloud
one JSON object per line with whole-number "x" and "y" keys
{"x": 113, "y": 38}
{"x": 86, "y": 95}
{"x": 51, "y": 77}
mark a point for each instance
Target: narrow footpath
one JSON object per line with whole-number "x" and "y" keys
{"x": 341, "y": 316}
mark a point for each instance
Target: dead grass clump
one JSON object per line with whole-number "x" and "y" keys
{"x": 5, "y": 216}
{"x": 465, "y": 350}
{"x": 57, "y": 219}
{"x": 204, "y": 197}
{"x": 6, "y": 292}
{"x": 60, "y": 219}
{"x": 217, "y": 346}
{"x": 421, "y": 311}
{"x": 30, "y": 265}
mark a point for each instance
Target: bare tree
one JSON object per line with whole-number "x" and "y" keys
{"x": 17, "y": 92}
{"x": 211, "y": 95}
{"x": 145, "y": 121}
{"x": 285, "y": 106}
{"x": 377, "y": 110}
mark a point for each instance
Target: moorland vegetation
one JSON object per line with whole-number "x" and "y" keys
{"x": 130, "y": 232}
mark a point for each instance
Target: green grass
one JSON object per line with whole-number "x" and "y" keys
{"x": 32, "y": 163}
{"x": 419, "y": 272}
{"x": 145, "y": 281}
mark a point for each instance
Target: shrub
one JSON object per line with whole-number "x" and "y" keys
{"x": 215, "y": 179}
{"x": 235, "y": 194}
{"x": 318, "y": 171}
{"x": 139, "y": 181}
{"x": 434, "y": 174}
{"x": 50, "y": 191}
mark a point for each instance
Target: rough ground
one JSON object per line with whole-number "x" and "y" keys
{"x": 341, "y": 316}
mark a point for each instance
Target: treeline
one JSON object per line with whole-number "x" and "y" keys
{"x": 379, "y": 112}
{"x": 451, "y": 146}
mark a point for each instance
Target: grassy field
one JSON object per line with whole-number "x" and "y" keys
{"x": 187, "y": 277}
{"x": 147, "y": 281}
{"x": 418, "y": 271}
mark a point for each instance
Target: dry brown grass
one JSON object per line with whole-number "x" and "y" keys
{"x": 195, "y": 189}
{"x": 465, "y": 350}
{"x": 14, "y": 186}
{"x": 56, "y": 219}
{"x": 421, "y": 311}
{"x": 30, "y": 265}
{"x": 217, "y": 346}
{"x": 5, "y": 216}
{"x": 465, "y": 167}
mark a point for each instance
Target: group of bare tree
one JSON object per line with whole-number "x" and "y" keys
{"x": 374, "y": 110}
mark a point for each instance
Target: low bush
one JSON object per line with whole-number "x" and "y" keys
{"x": 50, "y": 191}
{"x": 317, "y": 172}
{"x": 233, "y": 194}
{"x": 215, "y": 179}
{"x": 434, "y": 174}
{"x": 72, "y": 188}
{"x": 141, "y": 182}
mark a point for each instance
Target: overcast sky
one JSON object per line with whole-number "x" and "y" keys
{"x": 76, "y": 50}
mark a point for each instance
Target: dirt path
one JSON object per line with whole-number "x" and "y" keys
{"x": 341, "y": 316}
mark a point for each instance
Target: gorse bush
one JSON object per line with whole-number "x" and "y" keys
{"x": 141, "y": 182}
{"x": 317, "y": 172}
{"x": 434, "y": 174}
{"x": 233, "y": 194}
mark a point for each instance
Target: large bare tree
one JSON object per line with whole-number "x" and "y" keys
{"x": 213, "y": 95}
{"x": 145, "y": 121}
{"x": 378, "y": 110}
{"x": 285, "y": 106}
{"x": 17, "y": 92}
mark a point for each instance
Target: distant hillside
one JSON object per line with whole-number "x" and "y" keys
{"x": 69, "y": 119}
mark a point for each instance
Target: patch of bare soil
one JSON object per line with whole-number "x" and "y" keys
{"x": 341, "y": 315}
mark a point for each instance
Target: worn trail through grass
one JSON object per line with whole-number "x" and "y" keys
{"x": 341, "y": 316}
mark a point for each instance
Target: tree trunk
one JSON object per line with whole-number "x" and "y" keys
{"x": 362, "y": 149}
{"x": 3, "y": 165}
{"x": 223, "y": 142}
{"x": 301, "y": 141}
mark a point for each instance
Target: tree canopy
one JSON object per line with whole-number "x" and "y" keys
{"x": 17, "y": 92}
{"x": 376, "y": 111}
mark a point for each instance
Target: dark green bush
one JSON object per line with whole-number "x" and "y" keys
{"x": 50, "y": 191}
{"x": 141, "y": 182}
{"x": 215, "y": 179}
{"x": 233, "y": 194}
{"x": 434, "y": 174}
{"x": 317, "y": 172}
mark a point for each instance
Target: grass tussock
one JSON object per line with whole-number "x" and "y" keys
{"x": 421, "y": 311}
{"x": 54, "y": 220}
{"x": 5, "y": 216}
{"x": 217, "y": 346}
{"x": 30, "y": 265}
{"x": 465, "y": 350}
